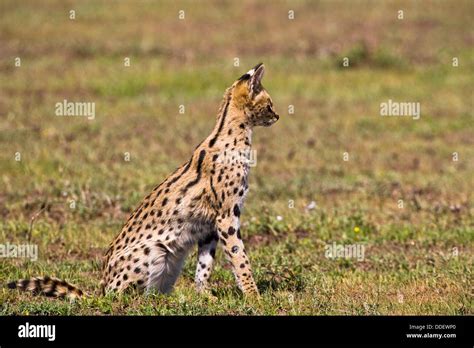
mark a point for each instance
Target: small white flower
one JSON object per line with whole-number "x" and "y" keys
{"x": 279, "y": 218}
{"x": 312, "y": 205}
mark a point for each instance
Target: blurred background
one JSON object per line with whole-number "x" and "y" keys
{"x": 331, "y": 170}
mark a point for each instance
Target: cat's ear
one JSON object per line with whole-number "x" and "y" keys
{"x": 254, "y": 79}
{"x": 255, "y": 83}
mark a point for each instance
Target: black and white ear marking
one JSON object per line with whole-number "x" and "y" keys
{"x": 255, "y": 78}
{"x": 251, "y": 72}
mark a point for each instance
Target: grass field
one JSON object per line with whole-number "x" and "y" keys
{"x": 66, "y": 187}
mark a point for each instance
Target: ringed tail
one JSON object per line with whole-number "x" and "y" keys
{"x": 47, "y": 286}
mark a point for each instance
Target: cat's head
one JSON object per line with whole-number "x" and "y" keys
{"x": 250, "y": 96}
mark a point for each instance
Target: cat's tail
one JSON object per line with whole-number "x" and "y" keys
{"x": 47, "y": 286}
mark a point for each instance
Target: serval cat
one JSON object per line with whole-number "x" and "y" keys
{"x": 200, "y": 202}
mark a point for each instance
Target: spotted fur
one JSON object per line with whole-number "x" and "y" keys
{"x": 200, "y": 202}
{"x": 47, "y": 286}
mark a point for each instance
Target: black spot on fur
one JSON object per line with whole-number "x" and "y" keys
{"x": 24, "y": 283}
{"x": 244, "y": 77}
{"x": 213, "y": 189}
{"x": 236, "y": 210}
{"x": 224, "y": 114}
{"x": 202, "y": 154}
{"x": 52, "y": 290}
{"x": 176, "y": 178}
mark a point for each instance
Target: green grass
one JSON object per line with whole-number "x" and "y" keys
{"x": 418, "y": 259}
